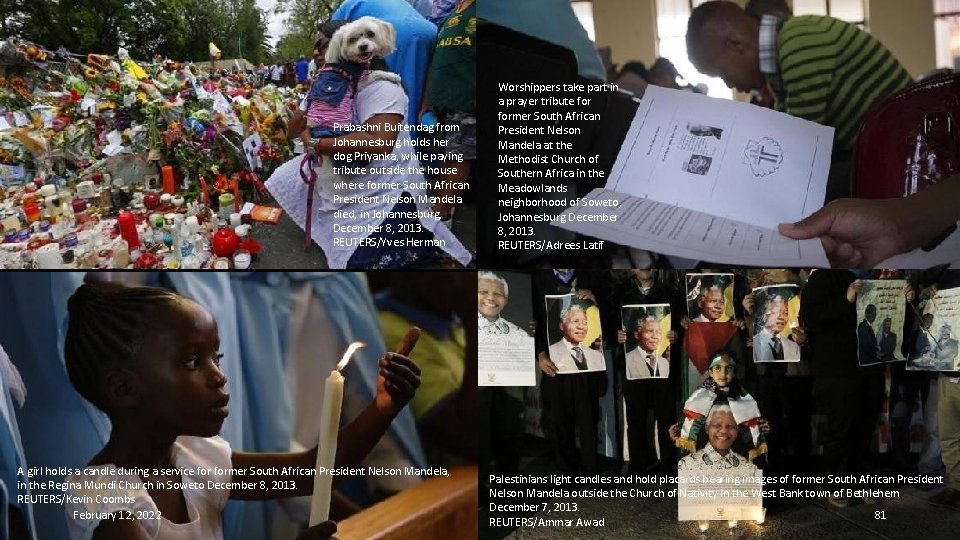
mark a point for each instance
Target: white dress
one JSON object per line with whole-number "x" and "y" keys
{"x": 204, "y": 506}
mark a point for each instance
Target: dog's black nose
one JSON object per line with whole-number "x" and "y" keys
{"x": 364, "y": 47}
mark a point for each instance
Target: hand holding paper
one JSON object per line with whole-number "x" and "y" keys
{"x": 723, "y": 194}
{"x": 859, "y": 233}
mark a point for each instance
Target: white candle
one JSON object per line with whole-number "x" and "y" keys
{"x": 327, "y": 449}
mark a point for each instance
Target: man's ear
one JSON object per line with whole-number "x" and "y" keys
{"x": 122, "y": 389}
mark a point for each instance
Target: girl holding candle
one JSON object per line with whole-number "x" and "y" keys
{"x": 148, "y": 358}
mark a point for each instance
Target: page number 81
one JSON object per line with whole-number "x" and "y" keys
{"x": 880, "y": 514}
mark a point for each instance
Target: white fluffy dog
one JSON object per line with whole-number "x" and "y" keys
{"x": 361, "y": 41}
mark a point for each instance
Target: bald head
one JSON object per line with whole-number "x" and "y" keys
{"x": 723, "y": 41}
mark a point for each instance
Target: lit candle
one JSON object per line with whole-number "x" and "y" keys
{"x": 327, "y": 449}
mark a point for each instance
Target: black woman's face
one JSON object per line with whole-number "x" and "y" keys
{"x": 181, "y": 383}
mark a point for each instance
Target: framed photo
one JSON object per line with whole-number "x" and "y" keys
{"x": 151, "y": 182}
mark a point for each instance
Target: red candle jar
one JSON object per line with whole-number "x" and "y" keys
{"x": 151, "y": 201}
{"x": 80, "y": 214}
{"x": 225, "y": 242}
{"x": 128, "y": 230}
{"x": 31, "y": 209}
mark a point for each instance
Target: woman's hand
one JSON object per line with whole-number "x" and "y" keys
{"x": 621, "y": 336}
{"x": 685, "y": 322}
{"x": 764, "y": 426}
{"x": 320, "y": 531}
{"x": 397, "y": 383}
{"x": 748, "y": 302}
{"x": 296, "y": 125}
{"x": 672, "y": 336}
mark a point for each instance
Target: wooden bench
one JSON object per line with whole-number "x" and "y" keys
{"x": 439, "y": 508}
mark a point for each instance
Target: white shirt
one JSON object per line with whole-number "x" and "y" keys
{"x": 204, "y": 506}
{"x": 708, "y": 459}
{"x": 562, "y": 355}
{"x": 499, "y": 327}
{"x": 638, "y": 362}
{"x": 763, "y": 351}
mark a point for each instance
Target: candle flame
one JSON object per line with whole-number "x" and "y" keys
{"x": 349, "y": 353}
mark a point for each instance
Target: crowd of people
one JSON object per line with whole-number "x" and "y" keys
{"x": 775, "y": 407}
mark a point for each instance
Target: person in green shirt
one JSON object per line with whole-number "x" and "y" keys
{"x": 821, "y": 69}
{"x": 451, "y": 92}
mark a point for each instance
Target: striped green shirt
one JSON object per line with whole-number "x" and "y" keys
{"x": 832, "y": 73}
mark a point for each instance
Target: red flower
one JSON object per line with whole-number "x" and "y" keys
{"x": 251, "y": 245}
{"x": 220, "y": 183}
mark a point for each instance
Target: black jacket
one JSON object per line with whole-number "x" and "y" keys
{"x": 831, "y": 323}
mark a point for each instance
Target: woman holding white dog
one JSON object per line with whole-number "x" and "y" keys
{"x": 381, "y": 221}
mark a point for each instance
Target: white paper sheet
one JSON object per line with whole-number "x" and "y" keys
{"x": 20, "y": 119}
{"x": 114, "y": 144}
{"x": 710, "y": 179}
{"x": 725, "y": 158}
{"x": 672, "y": 230}
{"x": 251, "y": 148}
{"x": 507, "y": 361}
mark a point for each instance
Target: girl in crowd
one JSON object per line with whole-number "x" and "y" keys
{"x": 721, "y": 386}
{"x": 148, "y": 358}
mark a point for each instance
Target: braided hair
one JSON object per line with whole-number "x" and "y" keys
{"x": 106, "y": 330}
